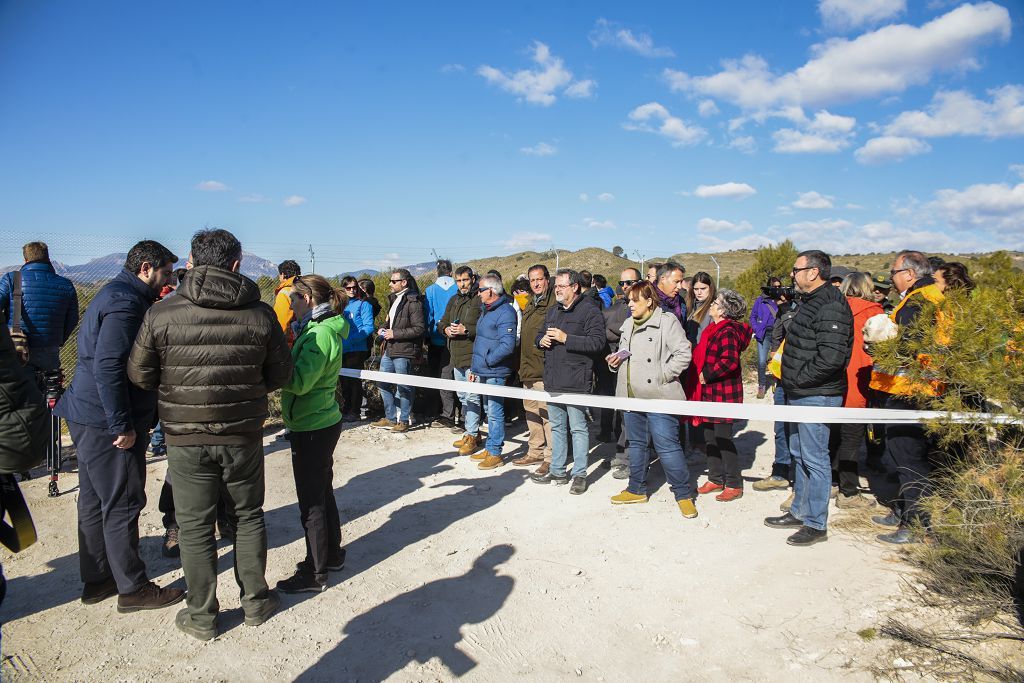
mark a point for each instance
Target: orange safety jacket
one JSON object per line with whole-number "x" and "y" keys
{"x": 283, "y": 309}
{"x": 900, "y": 384}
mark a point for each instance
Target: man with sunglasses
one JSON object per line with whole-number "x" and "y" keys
{"x": 611, "y": 421}
{"x": 403, "y": 343}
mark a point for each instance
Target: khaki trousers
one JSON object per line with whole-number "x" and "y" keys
{"x": 537, "y": 422}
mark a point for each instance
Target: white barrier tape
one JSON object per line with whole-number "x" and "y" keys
{"x": 737, "y": 411}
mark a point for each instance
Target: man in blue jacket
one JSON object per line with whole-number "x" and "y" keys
{"x": 441, "y": 404}
{"x": 109, "y": 419}
{"x": 493, "y": 350}
{"x": 49, "y": 308}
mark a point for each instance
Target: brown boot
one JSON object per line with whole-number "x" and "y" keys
{"x": 528, "y": 460}
{"x": 150, "y": 596}
{"x": 458, "y": 442}
{"x": 544, "y": 468}
{"x": 491, "y": 462}
{"x": 480, "y": 455}
{"x": 471, "y": 444}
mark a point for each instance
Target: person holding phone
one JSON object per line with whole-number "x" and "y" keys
{"x": 653, "y": 353}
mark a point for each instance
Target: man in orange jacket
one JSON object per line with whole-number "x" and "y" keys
{"x": 907, "y": 445}
{"x": 287, "y": 271}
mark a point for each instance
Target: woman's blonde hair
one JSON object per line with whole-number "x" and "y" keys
{"x": 320, "y": 291}
{"x": 858, "y": 285}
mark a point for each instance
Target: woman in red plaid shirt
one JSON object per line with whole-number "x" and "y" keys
{"x": 719, "y": 380}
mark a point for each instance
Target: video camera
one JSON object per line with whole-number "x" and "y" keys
{"x": 777, "y": 293}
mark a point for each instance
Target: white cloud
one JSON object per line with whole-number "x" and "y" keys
{"x": 595, "y": 224}
{"x": 885, "y": 61}
{"x": 1018, "y": 169}
{"x": 707, "y": 242}
{"x": 998, "y": 207}
{"x": 853, "y": 207}
{"x": 606, "y": 197}
{"x": 707, "y": 108}
{"x": 614, "y": 35}
{"x": 541, "y": 149}
{"x": 294, "y": 200}
{"x": 526, "y": 240}
{"x": 791, "y": 141}
{"x": 813, "y": 200}
{"x": 675, "y": 129}
{"x": 539, "y": 85}
{"x": 826, "y": 133}
{"x": 890, "y": 148}
{"x": 960, "y": 113}
{"x": 584, "y": 197}
{"x": 844, "y": 15}
{"x": 452, "y": 69}
{"x": 254, "y": 198}
{"x": 730, "y": 190}
{"x": 212, "y": 186}
{"x": 745, "y": 144}
{"x": 713, "y": 225}
{"x": 838, "y": 236}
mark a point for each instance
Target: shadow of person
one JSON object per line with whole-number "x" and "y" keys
{"x": 747, "y": 443}
{"x": 419, "y": 625}
{"x": 426, "y": 519}
{"x": 27, "y": 595}
{"x": 370, "y": 491}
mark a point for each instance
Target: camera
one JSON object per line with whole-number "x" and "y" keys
{"x": 779, "y": 292}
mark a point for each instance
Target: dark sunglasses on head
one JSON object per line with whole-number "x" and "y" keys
{"x": 627, "y": 283}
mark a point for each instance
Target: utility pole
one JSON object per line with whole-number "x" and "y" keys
{"x": 556, "y": 256}
{"x": 718, "y": 271}
{"x": 643, "y": 260}
{"x": 434, "y": 252}
{"x": 312, "y": 259}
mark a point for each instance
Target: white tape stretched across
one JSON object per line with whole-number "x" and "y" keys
{"x": 736, "y": 411}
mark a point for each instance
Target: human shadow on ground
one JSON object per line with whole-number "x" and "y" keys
{"x": 419, "y": 625}
{"x": 27, "y": 595}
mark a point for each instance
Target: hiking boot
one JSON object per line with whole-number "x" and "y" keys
{"x": 786, "y": 521}
{"x": 807, "y": 536}
{"x": 710, "y": 487}
{"x": 458, "y": 442}
{"x": 544, "y": 468}
{"x": 170, "y": 547}
{"x": 491, "y": 462}
{"x": 527, "y": 460}
{"x": 267, "y": 611}
{"x": 620, "y": 472}
{"x": 891, "y": 519}
{"x": 183, "y": 620}
{"x": 303, "y": 582}
{"x": 445, "y": 422}
{"x": 401, "y": 428}
{"x": 901, "y": 536}
{"x": 854, "y": 502}
{"x": 350, "y": 417}
{"x": 579, "y": 485}
{"x": 729, "y": 494}
{"x": 335, "y": 563}
{"x": 470, "y": 444}
{"x": 480, "y": 455}
{"x": 605, "y": 437}
{"x": 383, "y": 423}
{"x": 150, "y": 596}
{"x": 627, "y": 498}
{"x": 687, "y": 507}
{"x": 834, "y": 493}
{"x": 549, "y": 477}
{"x": 98, "y": 591}
{"x": 771, "y": 483}
{"x": 787, "y": 504}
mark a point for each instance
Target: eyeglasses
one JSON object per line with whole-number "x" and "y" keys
{"x": 395, "y": 282}
{"x": 350, "y": 288}
{"x": 557, "y": 286}
{"x": 892, "y": 273}
{"x": 627, "y": 283}
{"x": 797, "y": 270}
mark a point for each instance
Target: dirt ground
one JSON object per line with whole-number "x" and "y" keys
{"x": 454, "y": 572}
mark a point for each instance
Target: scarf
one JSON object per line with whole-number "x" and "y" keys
{"x": 671, "y": 305}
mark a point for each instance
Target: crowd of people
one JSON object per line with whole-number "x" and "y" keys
{"x": 194, "y": 354}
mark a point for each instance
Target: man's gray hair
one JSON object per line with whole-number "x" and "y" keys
{"x": 492, "y": 283}
{"x": 915, "y": 261}
{"x": 574, "y": 277}
{"x": 734, "y": 306}
{"x": 666, "y": 269}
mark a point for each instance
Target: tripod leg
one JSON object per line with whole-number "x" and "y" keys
{"x": 53, "y": 456}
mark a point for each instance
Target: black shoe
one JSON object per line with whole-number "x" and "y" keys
{"x": 273, "y": 602}
{"x": 98, "y": 591}
{"x": 170, "y": 547}
{"x": 606, "y": 464}
{"x": 891, "y": 520}
{"x": 620, "y": 472}
{"x": 303, "y": 582}
{"x": 786, "y": 521}
{"x": 579, "y": 485}
{"x": 606, "y": 437}
{"x": 808, "y": 536}
{"x": 549, "y": 478}
{"x": 443, "y": 422}
{"x": 184, "y": 623}
{"x": 901, "y": 536}
{"x": 150, "y": 596}
{"x": 335, "y": 563}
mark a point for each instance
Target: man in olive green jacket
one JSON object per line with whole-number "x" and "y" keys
{"x": 531, "y": 370}
{"x": 458, "y": 325}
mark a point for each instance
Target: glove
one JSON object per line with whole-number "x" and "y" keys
{"x": 20, "y": 345}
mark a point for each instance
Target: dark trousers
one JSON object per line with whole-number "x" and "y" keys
{"x": 844, "y": 443}
{"x": 723, "y": 462}
{"x": 351, "y": 387}
{"x": 442, "y": 403}
{"x": 611, "y": 420}
{"x": 111, "y": 495}
{"x": 166, "y": 508}
{"x": 908, "y": 447}
{"x": 313, "y": 467}
{"x": 203, "y": 474}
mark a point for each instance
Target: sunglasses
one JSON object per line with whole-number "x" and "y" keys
{"x": 395, "y": 282}
{"x": 893, "y": 273}
{"x": 351, "y": 288}
{"x": 627, "y": 283}
{"x": 797, "y": 270}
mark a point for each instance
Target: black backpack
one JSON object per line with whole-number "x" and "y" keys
{"x": 24, "y": 417}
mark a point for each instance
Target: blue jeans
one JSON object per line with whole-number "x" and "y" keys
{"x": 808, "y": 444}
{"x": 565, "y": 421}
{"x": 663, "y": 430}
{"x": 495, "y": 417}
{"x": 402, "y": 366}
{"x": 156, "y": 441}
{"x": 470, "y": 404}
{"x": 783, "y": 465}
{"x": 762, "y": 362}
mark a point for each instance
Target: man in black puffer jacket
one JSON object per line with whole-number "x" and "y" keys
{"x": 215, "y": 351}
{"x": 819, "y": 341}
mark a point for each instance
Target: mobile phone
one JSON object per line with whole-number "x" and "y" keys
{"x": 455, "y": 322}
{"x": 622, "y": 354}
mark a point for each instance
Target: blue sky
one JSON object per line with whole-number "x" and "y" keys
{"x": 379, "y": 131}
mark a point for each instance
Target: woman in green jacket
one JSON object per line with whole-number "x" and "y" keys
{"x": 310, "y": 410}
